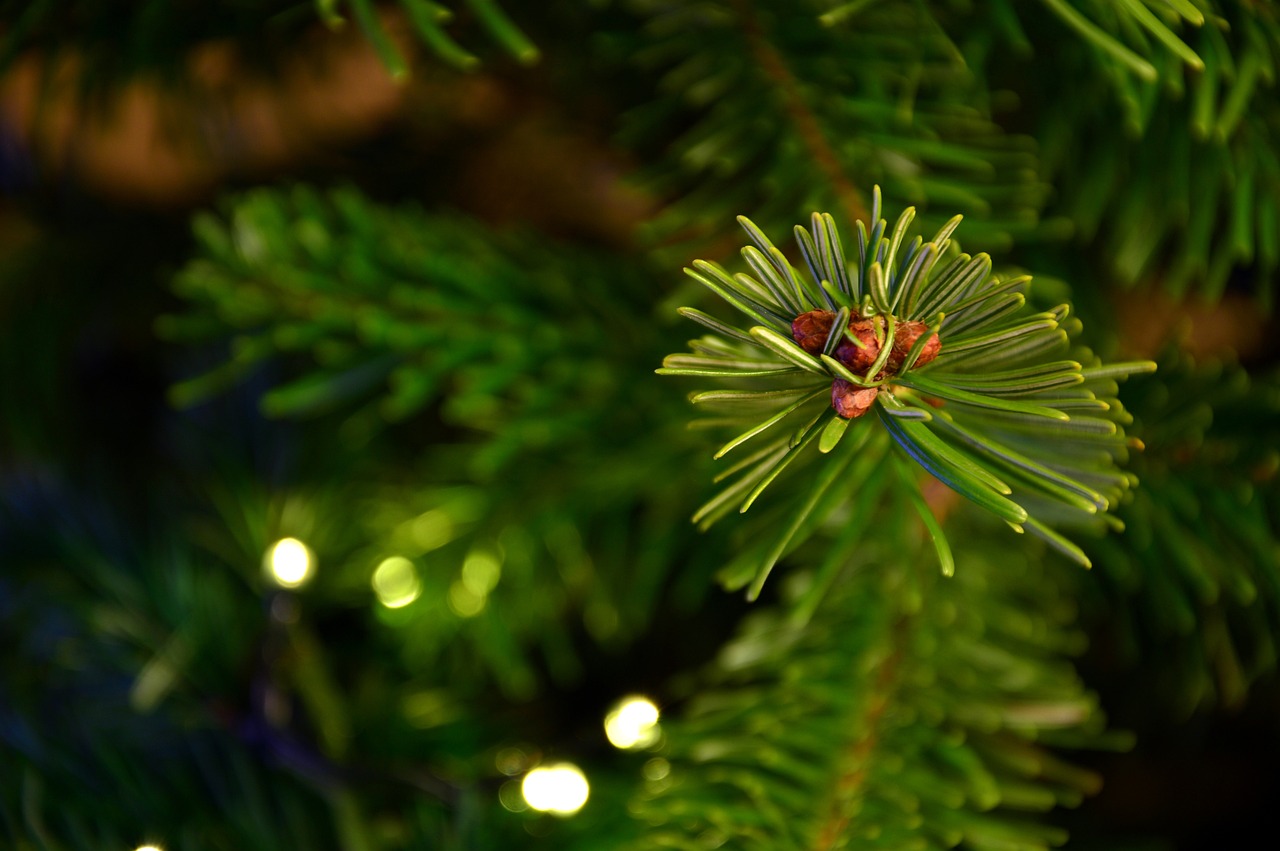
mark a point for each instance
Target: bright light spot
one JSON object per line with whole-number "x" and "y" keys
{"x": 560, "y": 789}
{"x": 148, "y": 848}
{"x": 290, "y": 562}
{"x": 396, "y": 582}
{"x": 464, "y": 602}
{"x": 633, "y": 723}
{"x": 481, "y": 572}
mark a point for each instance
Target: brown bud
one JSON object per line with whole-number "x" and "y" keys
{"x": 905, "y": 335}
{"x": 860, "y": 358}
{"x": 850, "y": 400}
{"x": 812, "y": 329}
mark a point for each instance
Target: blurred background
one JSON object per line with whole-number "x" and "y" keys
{"x": 338, "y": 495}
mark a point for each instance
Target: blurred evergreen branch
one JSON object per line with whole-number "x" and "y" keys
{"x": 521, "y": 522}
{"x": 120, "y": 38}
{"x": 911, "y": 711}
{"x": 1163, "y": 149}
{"x": 1195, "y": 580}
{"x": 776, "y": 108}
{"x": 518, "y": 338}
{"x": 1127, "y": 33}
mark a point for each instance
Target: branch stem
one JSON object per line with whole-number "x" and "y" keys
{"x": 802, "y": 117}
{"x": 841, "y": 808}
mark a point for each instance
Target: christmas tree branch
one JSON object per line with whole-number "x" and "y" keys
{"x": 808, "y": 129}
{"x": 850, "y": 786}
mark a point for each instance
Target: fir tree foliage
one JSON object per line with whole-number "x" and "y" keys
{"x": 785, "y": 106}
{"x": 513, "y": 353}
{"x": 411, "y": 308}
{"x": 477, "y": 409}
{"x": 1201, "y": 76}
{"x": 1198, "y": 568}
{"x": 998, "y": 413}
{"x": 910, "y": 711}
{"x": 124, "y": 37}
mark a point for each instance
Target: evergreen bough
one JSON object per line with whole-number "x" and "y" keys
{"x": 965, "y": 380}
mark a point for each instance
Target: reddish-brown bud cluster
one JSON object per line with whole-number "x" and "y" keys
{"x": 811, "y": 331}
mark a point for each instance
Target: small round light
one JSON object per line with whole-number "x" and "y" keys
{"x": 395, "y": 581}
{"x": 633, "y": 723}
{"x": 561, "y": 789}
{"x": 290, "y": 562}
{"x": 148, "y": 848}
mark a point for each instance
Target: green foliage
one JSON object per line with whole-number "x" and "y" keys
{"x": 183, "y": 699}
{"x": 1122, "y": 32}
{"x": 476, "y": 408}
{"x": 777, "y": 108}
{"x": 116, "y": 38}
{"x": 428, "y": 19}
{"x": 911, "y": 711}
{"x": 515, "y": 355}
{"x": 1182, "y": 184}
{"x": 1196, "y": 578}
{"x": 505, "y": 330}
{"x": 1033, "y": 440}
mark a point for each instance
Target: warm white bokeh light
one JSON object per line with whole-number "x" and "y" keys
{"x": 633, "y": 723}
{"x": 395, "y": 581}
{"x": 148, "y": 848}
{"x": 290, "y": 562}
{"x": 560, "y": 789}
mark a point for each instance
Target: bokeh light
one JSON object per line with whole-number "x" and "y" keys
{"x": 511, "y": 798}
{"x": 561, "y": 789}
{"x": 395, "y": 581}
{"x": 656, "y": 769}
{"x": 290, "y": 562}
{"x": 148, "y": 848}
{"x": 481, "y": 572}
{"x": 632, "y": 724}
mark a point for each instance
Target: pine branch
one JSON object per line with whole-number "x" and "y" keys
{"x": 807, "y": 127}
{"x": 504, "y": 330}
{"x": 157, "y": 37}
{"x": 778, "y": 110}
{"x": 1194, "y": 579}
{"x": 959, "y": 375}
{"x": 903, "y": 714}
{"x": 1205, "y": 210}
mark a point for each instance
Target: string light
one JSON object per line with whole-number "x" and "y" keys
{"x": 561, "y": 789}
{"x": 633, "y": 724}
{"x": 396, "y": 582}
{"x": 290, "y": 562}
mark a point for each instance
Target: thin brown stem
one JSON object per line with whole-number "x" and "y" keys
{"x": 851, "y": 782}
{"x": 802, "y": 117}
